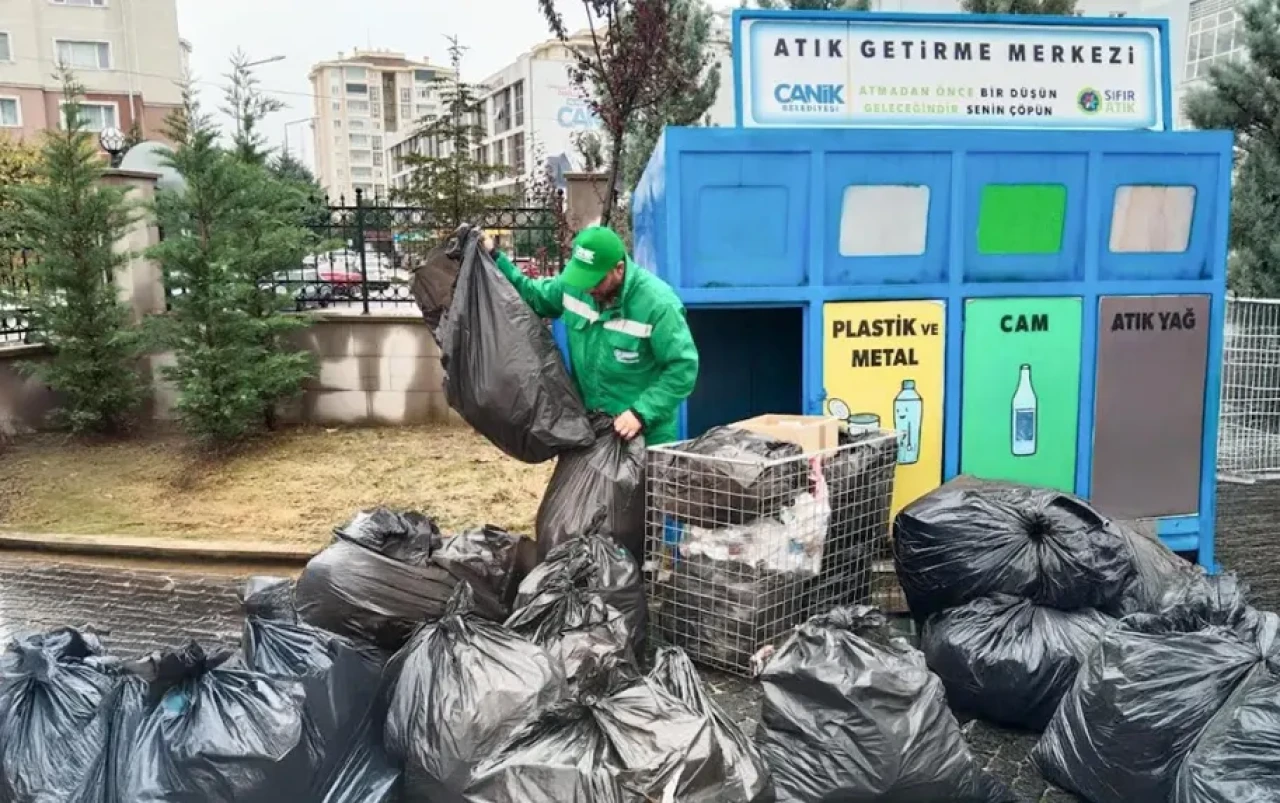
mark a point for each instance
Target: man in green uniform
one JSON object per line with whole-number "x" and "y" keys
{"x": 629, "y": 344}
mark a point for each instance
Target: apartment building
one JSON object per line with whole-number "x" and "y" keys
{"x": 364, "y": 101}
{"x": 127, "y": 53}
{"x": 529, "y": 110}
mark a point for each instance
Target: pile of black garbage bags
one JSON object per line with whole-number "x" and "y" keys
{"x": 1149, "y": 680}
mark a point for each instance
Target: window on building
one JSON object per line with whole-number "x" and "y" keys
{"x": 357, "y": 107}
{"x": 377, "y": 158}
{"x": 337, "y": 107}
{"x": 406, "y": 94}
{"x": 518, "y": 91}
{"x": 359, "y": 140}
{"x": 335, "y": 90}
{"x": 406, "y": 111}
{"x": 362, "y": 172}
{"x": 516, "y": 146}
{"x": 338, "y": 124}
{"x": 357, "y": 89}
{"x": 84, "y": 55}
{"x": 424, "y": 76}
{"x": 96, "y": 116}
{"x": 1213, "y": 36}
{"x": 379, "y": 190}
{"x": 422, "y": 110}
{"x": 424, "y": 92}
{"x": 375, "y": 93}
{"x": 6, "y": 50}
{"x": 499, "y": 154}
{"x": 355, "y": 73}
{"x": 375, "y": 109}
{"x": 84, "y": 3}
{"x": 10, "y": 113}
{"x": 502, "y": 111}
{"x": 377, "y": 143}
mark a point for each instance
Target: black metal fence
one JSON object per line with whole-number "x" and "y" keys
{"x": 369, "y": 249}
{"x": 15, "y": 295}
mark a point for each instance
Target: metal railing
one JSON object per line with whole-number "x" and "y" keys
{"x": 15, "y": 295}
{"x": 370, "y": 249}
{"x": 1249, "y": 413}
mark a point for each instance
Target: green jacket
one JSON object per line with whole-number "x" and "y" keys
{"x": 636, "y": 355}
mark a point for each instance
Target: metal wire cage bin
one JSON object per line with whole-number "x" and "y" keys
{"x": 747, "y": 537}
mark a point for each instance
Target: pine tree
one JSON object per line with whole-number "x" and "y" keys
{"x": 447, "y": 179}
{"x": 73, "y": 222}
{"x": 232, "y": 227}
{"x": 248, "y": 106}
{"x": 692, "y": 28}
{"x": 1245, "y": 96}
{"x": 1048, "y": 7}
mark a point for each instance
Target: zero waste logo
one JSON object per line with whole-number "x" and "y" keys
{"x": 1089, "y": 100}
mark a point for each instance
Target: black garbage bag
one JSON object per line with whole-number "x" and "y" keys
{"x": 120, "y": 717}
{"x": 434, "y": 281}
{"x": 744, "y": 777}
{"x": 1160, "y": 577}
{"x": 852, "y": 714}
{"x": 339, "y": 679}
{"x": 859, "y": 478}
{"x": 599, "y": 489}
{"x": 51, "y": 686}
{"x": 1237, "y": 757}
{"x": 574, "y": 624}
{"x": 487, "y": 558}
{"x": 611, "y": 573}
{"x": 405, "y": 536}
{"x": 269, "y": 598}
{"x": 971, "y": 539}
{"x": 503, "y": 372}
{"x": 377, "y": 585}
{"x": 464, "y": 686}
{"x": 1141, "y": 700}
{"x": 622, "y": 738}
{"x": 367, "y": 773}
{"x": 1008, "y": 660}
{"x": 727, "y": 476}
{"x": 217, "y": 732}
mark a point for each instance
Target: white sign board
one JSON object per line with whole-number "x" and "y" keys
{"x": 844, "y": 73}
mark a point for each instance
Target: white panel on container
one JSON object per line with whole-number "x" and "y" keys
{"x": 884, "y": 220}
{"x": 1152, "y": 219}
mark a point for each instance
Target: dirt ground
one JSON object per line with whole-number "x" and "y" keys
{"x": 292, "y": 488}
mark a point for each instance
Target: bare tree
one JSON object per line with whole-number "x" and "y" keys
{"x": 628, "y": 64}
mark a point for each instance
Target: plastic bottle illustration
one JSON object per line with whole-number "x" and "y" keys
{"x": 908, "y": 412}
{"x": 1026, "y": 419}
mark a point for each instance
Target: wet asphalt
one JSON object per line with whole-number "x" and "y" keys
{"x": 140, "y": 606}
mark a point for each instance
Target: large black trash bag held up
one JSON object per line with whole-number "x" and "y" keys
{"x": 377, "y": 584}
{"x": 1160, "y": 576}
{"x": 485, "y": 557}
{"x": 503, "y": 371}
{"x": 51, "y": 687}
{"x": 970, "y": 539}
{"x": 852, "y": 714}
{"x": 597, "y": 489}
{"x": 435, "y": 280}
{"x": 728, "y": 476}
{"x": 1142, "y": 699}
{"x": 622, "y": 739}
{"x": 217, "y": 733}
{"x": 742, "y": 772}
{"x": 572, "y": 623}
{"x": 611, "y": 573}
{"x": 465, "y": 685}
{"x": 1009, "y": 660}
{"x": 1237, "y": 757}
{"x": 339, "y": 679}
{"x": 266, "y": 597}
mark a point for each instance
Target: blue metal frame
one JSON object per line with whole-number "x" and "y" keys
{"x": 668, "y": 236}
{"x": 1161, "y": 26}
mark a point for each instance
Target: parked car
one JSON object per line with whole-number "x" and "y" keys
{"x": 312, "y": 287}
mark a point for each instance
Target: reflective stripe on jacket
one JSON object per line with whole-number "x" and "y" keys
{"x": 636, "y": 355}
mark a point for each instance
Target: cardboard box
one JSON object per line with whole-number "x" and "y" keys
{"x": 812, "y": 433}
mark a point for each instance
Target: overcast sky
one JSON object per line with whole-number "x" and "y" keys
{"x": 308, "y": 31}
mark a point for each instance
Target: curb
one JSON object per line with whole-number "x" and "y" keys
{"x": 153, "y": 548}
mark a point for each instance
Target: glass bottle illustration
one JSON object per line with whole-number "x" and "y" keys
{"x": 1026, "y": 418}
{"x": 908, "y": 412}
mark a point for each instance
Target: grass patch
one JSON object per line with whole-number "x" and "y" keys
{"x": 291, "y": 488}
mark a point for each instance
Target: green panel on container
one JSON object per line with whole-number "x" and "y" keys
{"x": 1021, "y": 218}
{"x": 1021, "y": 390}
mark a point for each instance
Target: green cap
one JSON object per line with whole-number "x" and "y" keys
{"x": 596, "y": 251}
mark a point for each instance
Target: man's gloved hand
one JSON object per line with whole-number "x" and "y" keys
{"x": 628, "y": 425}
